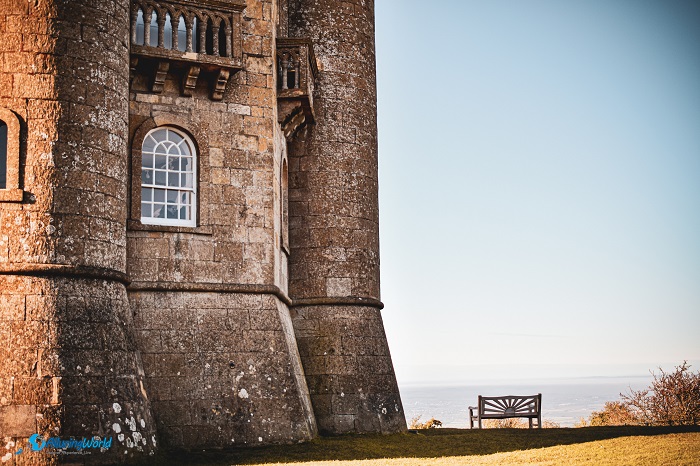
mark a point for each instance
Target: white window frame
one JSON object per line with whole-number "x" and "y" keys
{"x": 167, "y": 172}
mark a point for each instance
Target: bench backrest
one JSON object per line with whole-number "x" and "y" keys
{"x": 510, "y": 405}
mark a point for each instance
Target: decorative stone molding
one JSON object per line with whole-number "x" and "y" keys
{"x": 192, "y": 36}
{"x": 296, "y": 74}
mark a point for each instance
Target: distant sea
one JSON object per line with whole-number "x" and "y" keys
{"x": 564, "y": 401}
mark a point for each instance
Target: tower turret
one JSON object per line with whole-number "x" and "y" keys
{"x": 334, "y": 227}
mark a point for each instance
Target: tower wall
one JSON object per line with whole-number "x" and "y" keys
{"x": 69, "y": 367}
{"x": 334, "y": 227}
{"x": 209, "y": 301}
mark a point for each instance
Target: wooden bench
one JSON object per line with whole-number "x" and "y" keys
{"x": 503, "y": 407}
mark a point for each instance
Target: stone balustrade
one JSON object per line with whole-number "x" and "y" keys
{"x": 296, "y": 74}
{"x": 191, "y": 35}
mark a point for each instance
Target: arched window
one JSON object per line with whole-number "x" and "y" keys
{"x": 3, "y": 155}
{"x": 9, "y": 157}
{"x": 168, "y": 178}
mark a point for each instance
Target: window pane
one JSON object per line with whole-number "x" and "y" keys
{"x": 174, "y": 163}
{"x": 184, "y": 213}
{"x": 173, "y": 179}
{"x": 147, "y": 161}
{"x": 147, "y": 176}
{"x": 145, "y": 210}
{"x": 148, "y": 144}
{"x": 172, "y": 211}
{"x": 185, "y": 148}
{"x": 161, "y": 162}
{"x": 159, "y": 134}
{"x": 146, "y": 194}
{"x": 172, "y": 196}
{"x": 158, "y": 210}
{"x": 174, "y": 137}
{"x": 159, "y": 195}
{"x": 160, "y": 178}
{"x": 187, "y": 164}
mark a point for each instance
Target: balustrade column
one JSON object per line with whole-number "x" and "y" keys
{"x": 284, "y": 73}
{"x": 229, "y": 45}
{"x": 202, "y": 46}
{"x": 297, "y": 72}
{"x": 215, "y": 38}
{"x": 134, "y": 19}
{"x": 189, "y": 26}
{"x": 175, "y": 28}
{"x": 161, "y": 31}
{"x": 147, "y": 28}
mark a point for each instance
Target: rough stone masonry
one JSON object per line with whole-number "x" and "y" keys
{"x": 189, "y": 249}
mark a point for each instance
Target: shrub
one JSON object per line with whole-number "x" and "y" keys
{"x": 673, "y": 398}
{"x": 431, "y": 423}
{"x": 615, "y": 413}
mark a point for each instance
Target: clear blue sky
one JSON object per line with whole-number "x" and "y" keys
{"x": 539, "y": 186}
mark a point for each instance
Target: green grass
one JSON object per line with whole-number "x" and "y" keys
{"x": 590, "y": 445}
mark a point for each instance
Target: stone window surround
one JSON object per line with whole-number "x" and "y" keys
{"x": 202, "y": 169}
{"x": 12, "y": 191}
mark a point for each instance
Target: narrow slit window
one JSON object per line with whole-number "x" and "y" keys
{"x": 3, "y": 155}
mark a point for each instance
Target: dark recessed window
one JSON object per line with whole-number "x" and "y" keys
{"x": 3, "y": 155}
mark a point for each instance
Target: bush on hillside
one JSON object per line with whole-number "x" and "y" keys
{"x": 615, "y": 413}
{"x": 431, "y": 423}
{"x": 672, "y": 399}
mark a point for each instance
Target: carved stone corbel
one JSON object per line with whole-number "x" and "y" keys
{"x": 159, "y": 78}
{"x": 189, "y": 80}
{"x": 220, "y": 84}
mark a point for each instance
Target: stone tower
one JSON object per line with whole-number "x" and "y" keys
{"x": 69, "y": 365}
{"x": 189, "y": 224}
{"x": 334, "y": 227}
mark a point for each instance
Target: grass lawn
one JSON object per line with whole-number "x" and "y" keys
{"x": 588, "y": 446}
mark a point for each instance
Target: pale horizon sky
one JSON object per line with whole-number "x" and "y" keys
{"x": 539, "y": 187}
